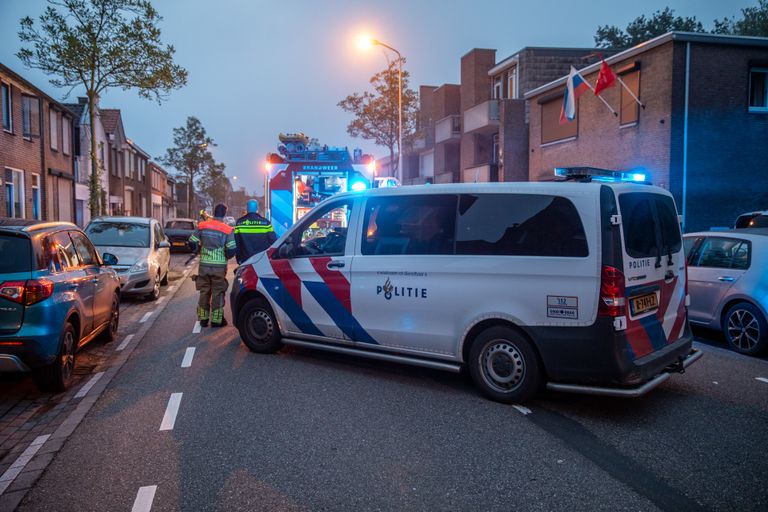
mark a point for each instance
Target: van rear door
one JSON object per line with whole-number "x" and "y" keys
{"x": 654, "y": 270}
{"x": 15, "y": 269}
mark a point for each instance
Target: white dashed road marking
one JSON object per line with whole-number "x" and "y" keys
{"x": 197, "y": 328}
{"x": 144, "y": 499}
{"x": 125, "y": 342}
{"x": 88, "y": 385}
{"x": 169, "y": 418}
{"x": 6, "y": 479}
{"x": 762, "y": 379}
{"x": 146, "y": 317}
{"x": 522, "y": 410}
{"x": 160, "y": 300}
{"x": 188, "y": 355}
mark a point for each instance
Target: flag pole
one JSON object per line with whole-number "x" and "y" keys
{"x": 629, "y": 91}
{"x": 615, "y": 114}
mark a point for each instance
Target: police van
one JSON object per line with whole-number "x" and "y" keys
{"x": 576, "y": 286}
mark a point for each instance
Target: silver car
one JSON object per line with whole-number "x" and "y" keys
{"x": 728, "y": 285}
{"x": 142, "y": 250}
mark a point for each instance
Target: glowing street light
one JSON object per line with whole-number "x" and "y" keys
{"x": 365, "y": 42}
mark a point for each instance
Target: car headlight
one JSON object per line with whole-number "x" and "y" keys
{"x": 140, "y": 266}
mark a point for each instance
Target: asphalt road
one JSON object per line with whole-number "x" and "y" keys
{"x": 305, "y": 430}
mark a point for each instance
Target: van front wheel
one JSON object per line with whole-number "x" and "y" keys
{"x": 258, "y": 327}
{"x": 504, "y": 366}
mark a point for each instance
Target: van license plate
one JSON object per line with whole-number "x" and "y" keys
{"x": 644, "y": 303}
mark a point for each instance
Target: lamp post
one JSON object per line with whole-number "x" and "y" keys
{"x": 267, "y": 169}
{"x": 366, "y": 42}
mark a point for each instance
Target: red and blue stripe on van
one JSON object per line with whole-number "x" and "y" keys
{"x": 654, "y": 331}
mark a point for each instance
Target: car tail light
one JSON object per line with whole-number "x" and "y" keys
{"x": 27, "y": 292}
{"x": 12, "y": 290}
{"x": 37, "y": 290}
{"x": 612, "y": 292}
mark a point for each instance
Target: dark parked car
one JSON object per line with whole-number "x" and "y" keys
{"x": 178, "y": 232}
{"x": 56, "y": 295}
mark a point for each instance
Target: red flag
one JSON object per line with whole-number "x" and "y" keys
{"x": 605, "y": 79}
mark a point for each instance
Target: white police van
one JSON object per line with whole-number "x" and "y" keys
{"x": 578, "y": 286}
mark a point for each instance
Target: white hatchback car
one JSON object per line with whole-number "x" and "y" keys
{"x": 728, "y": 284}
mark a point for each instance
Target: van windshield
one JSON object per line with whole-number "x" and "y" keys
{"x": 643, "y": 216}
{"x": 16, "y": 254}
{"x": 118, "y": 234}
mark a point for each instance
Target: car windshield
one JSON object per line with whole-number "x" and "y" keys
{"x": 752, "y": 221}
{"x": 180, "y": 224}
{"x": 118, "y": 234}
{"x": 16, "y": 254}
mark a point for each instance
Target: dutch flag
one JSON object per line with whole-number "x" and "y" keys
{"x": 574, "y": 87}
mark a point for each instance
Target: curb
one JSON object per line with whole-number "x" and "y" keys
{"x": 48, "y": 445}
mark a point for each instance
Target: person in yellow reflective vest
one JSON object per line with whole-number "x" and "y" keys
{"x": 253, "y": 233}
{"x": 216, "y": 242}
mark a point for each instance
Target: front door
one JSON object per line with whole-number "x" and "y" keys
{"x": 99, "y": 277}
{"x": 312, "y": 283}
{"x": 76, "y": 280}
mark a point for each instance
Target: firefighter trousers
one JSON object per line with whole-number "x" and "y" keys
{"x": 212, "y": 284}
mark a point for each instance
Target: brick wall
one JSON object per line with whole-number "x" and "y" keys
{"x": 513, "y": 138}
{"x": 475, "y": 82}
{"x": 601, "y": 142}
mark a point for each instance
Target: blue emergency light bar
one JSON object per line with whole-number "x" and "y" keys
{"x": 587, "y": 174}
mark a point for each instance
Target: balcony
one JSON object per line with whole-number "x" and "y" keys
{"x": 481, "y": 174}
{"x": 482, "y": 118}
{"x": 419, "y": 144}
{"x": 448, "y": 129}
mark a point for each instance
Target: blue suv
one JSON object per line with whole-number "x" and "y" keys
{"x": 56, "y": 295}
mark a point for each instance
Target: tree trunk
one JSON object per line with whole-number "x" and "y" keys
{"x": 392, "y": 163}
{"x": 94, "y": 181}
{"x": 190, "y": 191}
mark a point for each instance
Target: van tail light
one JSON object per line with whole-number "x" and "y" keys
{"x": 26, "y": 292}
{"x": 612, "y": 292}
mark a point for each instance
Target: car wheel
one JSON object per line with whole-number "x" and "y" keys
{"x": 258, "y": 327}
{"x": 504, "y": 366}
{"x": 57, "y": 376}
{"x": 746, "y": 329}
{"x": 155, "y": 293}
{"x": 164, "y": 282}
{"x": 110, "y": 333}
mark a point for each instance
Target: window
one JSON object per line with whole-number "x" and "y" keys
{"x": 14, "y": 193}
{"x": 7, "y": 104}
{"x": 758, "y": 90}
{"x": 53, "y": 119}
{"x": 36, "y": 213}
{"x": 512, "y": 83}
{"x": 519, "y": 225}
{"x": 723, "y": 253}
{"x": 498, "y": 88}
{"x": 84, "y": 248}
{"x": 410, "y": 225}
{"x": 66, "y": 126}
{"x": 551, "y": 128}
{"x": 17, "y": 253}
{"x": 643, "y": 214}
{"x": 29, "y": 114}
{"x": 65, "y": 252}
{"x": 630, "y": 110}
{"x": 128, "y": 201}
{"x": 325, "y": 233}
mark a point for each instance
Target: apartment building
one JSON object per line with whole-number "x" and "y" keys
{"x": 36, "y": 152}
{"x": 160, "y": 193}
{"x": 478, "y": 130}
{"x": 701, "y": 131}
{"x": 128, "y": 192}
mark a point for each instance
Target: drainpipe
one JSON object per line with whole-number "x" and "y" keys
{"x": 685, "y": 129}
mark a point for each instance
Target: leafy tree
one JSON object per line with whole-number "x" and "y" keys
{"x": 101, "y": 44}
{"x": 192, "y": 158}
{"x": 376, "y": 113}
{"x": 642, "y": 28}
{"x": 215, "y": 184}
{"x": 754, "y": 22}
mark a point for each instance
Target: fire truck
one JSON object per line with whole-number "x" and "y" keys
{"x": 303, "y": 173}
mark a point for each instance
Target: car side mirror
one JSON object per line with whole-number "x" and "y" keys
{"x": 109, "y": 259}
{"x": 286, "y": 250}
{"x": 164, "y": 245}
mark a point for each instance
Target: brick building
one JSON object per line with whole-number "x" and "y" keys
{"x": 36, "y": 152}
{"x": 127, "y": 164}
{"x": 701, "y": 132}
{"x": 478, "y": 130}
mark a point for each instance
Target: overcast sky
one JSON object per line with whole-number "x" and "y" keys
{"x": 258, "y": 68}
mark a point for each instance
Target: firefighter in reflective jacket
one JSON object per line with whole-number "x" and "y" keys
{"x": 253, "y": 233}
{"x": 216, "y": 242}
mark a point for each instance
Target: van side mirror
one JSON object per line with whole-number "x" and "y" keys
{"x": 286, "y": 250}
{"x": 109, "y": 259}
{"x": 164, "y": 245}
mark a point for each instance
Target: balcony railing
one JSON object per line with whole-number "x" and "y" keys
{"x": 448, "y": 128}
{"x": 484, "y": 116}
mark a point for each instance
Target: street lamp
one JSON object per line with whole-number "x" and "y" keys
{"x": 267, "y": 170}
{"x": 365, "y": 42}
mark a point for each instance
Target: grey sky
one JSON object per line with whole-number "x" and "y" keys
{"x": 257, "y": 68}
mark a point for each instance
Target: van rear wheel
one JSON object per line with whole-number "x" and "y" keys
{"x": 504, "y": 366}
{"x": 258, "y": 327}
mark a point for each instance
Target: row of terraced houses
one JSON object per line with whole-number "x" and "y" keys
{"x": 45, "y": 161}
{"x": 701, "y": 132}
